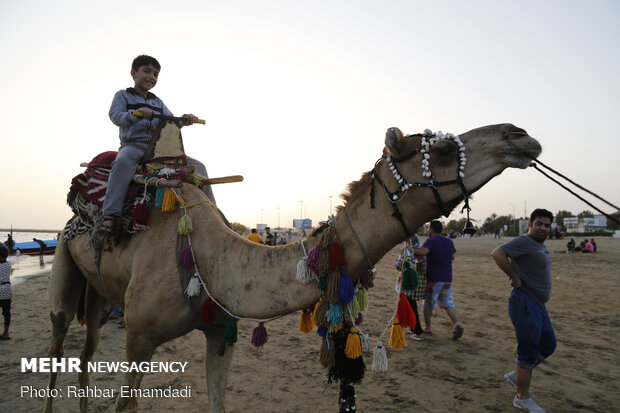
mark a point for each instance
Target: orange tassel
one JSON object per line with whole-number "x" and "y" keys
{"x": 305, "y": 322}
{"x": 169, "y": 202}
{"x": 353, "y": 348}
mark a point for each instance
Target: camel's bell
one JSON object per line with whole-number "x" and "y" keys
{"x": 469, "y": 228}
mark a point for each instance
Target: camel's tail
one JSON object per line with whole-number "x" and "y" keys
{"x": 80, "y": 313}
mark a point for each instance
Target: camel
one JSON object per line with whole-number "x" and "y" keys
{"x": 258, "y": 281}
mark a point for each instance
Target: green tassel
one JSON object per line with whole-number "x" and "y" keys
{"x": 362, "y": 298}
{"x": 197, "y": 179}
{"x": 185, "y": 225}
{"x": 230, "y": 335}
{"x": 411, "y": 279}
{"x": 323, "y": 283}
{"x": 159, "y": 197}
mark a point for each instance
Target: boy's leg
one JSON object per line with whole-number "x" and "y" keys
{"x": 123, "y": 169}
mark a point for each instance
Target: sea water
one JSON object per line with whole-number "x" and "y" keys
{"x": 28, "y": 265}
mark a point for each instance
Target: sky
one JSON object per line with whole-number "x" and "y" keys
{"x": 297, "y": 95}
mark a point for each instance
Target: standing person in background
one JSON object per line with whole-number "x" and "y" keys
{"x": 10, "y": 243}
{"x": 42, "y": 246}
{"x": 6, "y": 291}
{"x": 269, "y": 239}
{"x": 439, "y": 252}
{"x": 254, "y": 237}
{"x": 527, "y": 263}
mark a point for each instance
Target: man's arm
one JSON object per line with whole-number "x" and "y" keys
{"x": 503, "y": 263}
{"x": 421, "y": 251}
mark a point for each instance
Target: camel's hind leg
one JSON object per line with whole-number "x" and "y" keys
{"x": 96, "y": 316}
{"x": 65, "y": 291}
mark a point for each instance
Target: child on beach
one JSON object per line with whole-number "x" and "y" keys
{"x": 6, "y": 291}
{"x": 136, "y": 132}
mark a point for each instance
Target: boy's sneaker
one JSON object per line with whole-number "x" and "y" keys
{"x": 528, "y": 405}
{"x": 511, "y": 378}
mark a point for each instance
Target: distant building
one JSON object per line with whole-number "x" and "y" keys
{"x": 594, "y": 224}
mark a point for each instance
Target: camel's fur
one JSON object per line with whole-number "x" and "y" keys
{"x": 251, "y": 280}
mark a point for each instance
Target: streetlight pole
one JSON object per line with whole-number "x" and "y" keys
{"x": 514, "y": 229}
{"x": 330, "y": 205}
{"x": 262, "y": 215}
{"x": 301, "y": 205}
{"x": 278, "y": 217}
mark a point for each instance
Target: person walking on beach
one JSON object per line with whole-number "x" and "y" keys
{"x": 439, "y": 252}
{"x": 527, "y": 263}
{"x": 42, "y": 246}
{"x": 6, "y": 291}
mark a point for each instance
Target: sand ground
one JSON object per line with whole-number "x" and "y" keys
{"x": 435, "y": 375}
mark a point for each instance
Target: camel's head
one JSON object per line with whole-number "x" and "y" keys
{"x": 453, "y": 163}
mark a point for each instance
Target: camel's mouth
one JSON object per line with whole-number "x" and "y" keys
{"x": 522, "y": 150}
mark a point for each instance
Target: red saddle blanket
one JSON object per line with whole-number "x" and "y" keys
{"x": 93, "y": 182}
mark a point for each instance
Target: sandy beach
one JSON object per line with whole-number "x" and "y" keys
{"x": 434, "y": 375}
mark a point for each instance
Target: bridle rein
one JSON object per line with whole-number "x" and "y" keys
{"x": 394, "y": 197}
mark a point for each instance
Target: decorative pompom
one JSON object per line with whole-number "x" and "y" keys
{"x": 351, "y": 310}
{"x": 193, "y": 287}
{"x": 405, "y": 313}
{"x": 379, "y": 358}
{"x": 346, "y": 290}
{"x": 397, "y": 336}
{"x": 185, "y": 226}
{"x": 313, "y": 259}
{"x": 327, "y": 354}
{"x": 304, "y": 274}
{"x": 159, "y": 197}
{"x": 335, "y": 316}
{"x": 411, "y": 280}
{"x": 359, "y": 320}
{"x": 336, "y": 256}
{"x": 186, "y": 257}
{"x": 259, "y": 335}
{"x": 353, "y": 348}
{"x": 333, "y": 284}
{"x": 141, "y": 214}
{"x": 322, "y": 331}
{"x": 362, "y": 298}
{"x": 320, "y": 313}
{"x": 230, "y": 334}
{"x": 305, "y": 322}
{"x": 169, "y": 202}
{"x": 208, "y": 312}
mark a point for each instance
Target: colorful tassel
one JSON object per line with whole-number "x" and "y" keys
{"x": 313, "y": 259}
{"x": 410, "y": 280}
{"x": 185, "y": 226}
{"x": 193, "y": 287}
{"x": 208, "y": 311}
{"x": 141, "y": 214}
{"x": 322, "y": 285}
{"x": 351, "y": 311}
{"x": 259, "y": 335}
{"x": 362, "y": 298}
{"x": 336, "y": 256}
{"x": 159, "y": 197}
{"x": 186, "y": 257}
{"x": 305, "y": 322}
{"x": 230, "y": 334}
{"x": 327, "y": 237}
{"x": 322, "y": 331}
{"x": 335, "y": 316}
{"x": 346, "y": 290}
{"x": 323, "y": 267}
{"x": 304, "y": 274}
{"x": 379, "y": 358}
{"x": 327, "y": 353}
{"x": 169, "y": 202}
{"x": 320, "y": 314}
{"x": 197, "y": 179}
{"x": 353, "y": 348}
{"x": 333, "y": 284}
{"x": 359, "y": 320}
{"x": 405, "y": 313}
{"x": 397, "y": 336}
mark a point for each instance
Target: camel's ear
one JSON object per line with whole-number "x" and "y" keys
{"x": 394, "y": 140}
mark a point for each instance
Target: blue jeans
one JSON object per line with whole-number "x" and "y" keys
{"x": 535, "y": 336}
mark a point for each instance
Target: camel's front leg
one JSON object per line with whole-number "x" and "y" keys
{"x": 217, "y": 368}
{"x": 96, "y": 317}
{"x": 139, "y": 349}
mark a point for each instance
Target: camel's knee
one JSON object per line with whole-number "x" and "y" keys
{"x": 60, "y": 326}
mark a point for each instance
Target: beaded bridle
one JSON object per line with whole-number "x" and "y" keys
{"x": 428, "y": 139}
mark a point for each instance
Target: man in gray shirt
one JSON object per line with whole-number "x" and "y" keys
{"x": 527, "y": 263}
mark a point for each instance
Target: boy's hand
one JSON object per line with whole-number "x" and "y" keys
{"x": 146, "y": 113}
{"x": 192, "y": 119}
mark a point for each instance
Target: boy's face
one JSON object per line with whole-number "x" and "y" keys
{"x": 145, "y": 78}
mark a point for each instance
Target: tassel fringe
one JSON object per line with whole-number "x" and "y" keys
{"x": 185, "y": 226}
{"x": 193, "y": 287}
{"x": 379, "y": 358}
{"x": 397, "y": 336}
{"x": 259, "y": 335}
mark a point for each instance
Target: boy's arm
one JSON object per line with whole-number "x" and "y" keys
{"x": 119, "y": 115}
{"x": 503, "y": 263}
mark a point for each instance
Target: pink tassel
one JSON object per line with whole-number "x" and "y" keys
{"x": 312, "y": 261}
{"x": 259, "y": 335}
{"x": 186, "y": 258}
{"x": 359, "y": 319}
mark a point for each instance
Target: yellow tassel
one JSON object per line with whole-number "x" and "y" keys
{"x": 397, "y": 336}
{"x": 335, "y": 329}
{"x": 305, "y": 322}
{"x": 169, "y": 202}
{"x": 353, "y": 349}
